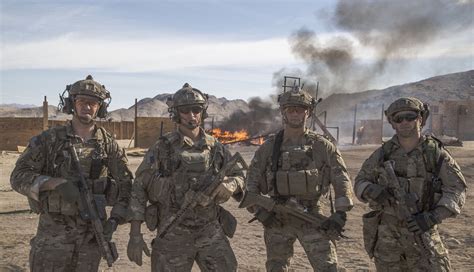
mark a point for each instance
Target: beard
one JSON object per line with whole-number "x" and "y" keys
{"x": 85, "y": 119}
{"x": 407, "y": 132}
{"x": 294, "y": 123}
{"x": 190, "y": 124}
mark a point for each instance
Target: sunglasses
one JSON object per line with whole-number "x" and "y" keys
{"x": 87, "y": 102}
{"x": 409, "y": 116}
{"x": 194, "y": 109}
{"x": 292, "y": 109}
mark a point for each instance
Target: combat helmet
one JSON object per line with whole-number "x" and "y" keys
{"x": 295, "y": 96}
{"x": 187, "y": 96}
{"x": 88, "y": 87}
{"x": 408, "y": 104}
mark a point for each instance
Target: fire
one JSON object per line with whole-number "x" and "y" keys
{"x": 258, "y": 141}
{"x": 228, "y": 137}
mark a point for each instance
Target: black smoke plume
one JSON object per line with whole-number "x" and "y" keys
{"x": 389, "y": 29}
{"x": 262, "y": 118}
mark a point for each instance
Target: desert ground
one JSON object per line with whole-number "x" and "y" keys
{"x": 18, "y": 228}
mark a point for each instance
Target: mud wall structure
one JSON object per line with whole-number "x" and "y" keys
{"x": 149, "y": 129}
{"x": 453, "y": 118}
{"x": 17, "y": 131}
{"x": 369, "y": 132}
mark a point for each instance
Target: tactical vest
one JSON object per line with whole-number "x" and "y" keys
{"x": 428, "y": 185}
{"x": 301, "y": 171}
{"x": 93, "y": 160}
{"x": 177, "y": 170}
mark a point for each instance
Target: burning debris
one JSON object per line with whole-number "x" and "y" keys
{"x": 228, "y": 137}
{"x": 262, "y": 118}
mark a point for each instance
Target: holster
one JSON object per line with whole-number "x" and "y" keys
{"x": 227, "y": 222}
{"x": 370, "y": 223}
{"x": 151, "y": 216}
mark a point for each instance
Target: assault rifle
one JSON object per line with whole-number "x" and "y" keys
{"x": 192, "y": 198}
{"x": 407, "y": 206}
{"x": 89, "y": 212}
{"x": 293, "y": 209}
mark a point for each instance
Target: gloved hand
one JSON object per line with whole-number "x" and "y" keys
{"x": 110, "y": 227}
{"x": 68, "y": 191}
{"x": 421, "y": 222}
{"x": 268, "y": 219}
{"x": 377, "y": 193}
{"x": 334, "y": 225}
{"x": 136, "y": 245}
{"x": 224, "y": 191}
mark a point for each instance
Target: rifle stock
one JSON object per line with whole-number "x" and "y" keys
{"x": 107, "y": 249}
{"x": 407, "y": 206}
{"x": 192, "y": 198}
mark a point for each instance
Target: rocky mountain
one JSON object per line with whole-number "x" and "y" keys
{"x": 219, "y": 108}
{"x": 339, "y": 106}
{"x": 13, "y": 111}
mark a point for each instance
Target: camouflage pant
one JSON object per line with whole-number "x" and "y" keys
{"x": 279, "y": 242}
{"x": 207, "y": 245}
{"x": 395, "y": 250}
{"x": 63, "y": 243}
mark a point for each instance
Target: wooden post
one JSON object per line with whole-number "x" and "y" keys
{"x": 45, "y": 113}
{"x": 381, "y": 126}
{"x": 136, "y": 125}
{"x": 354, "y": 128}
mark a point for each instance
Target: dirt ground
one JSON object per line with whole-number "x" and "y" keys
{"x": 17, "y": 229}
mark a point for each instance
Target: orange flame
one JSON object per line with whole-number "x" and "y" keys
{"x": 258, "y": 141}
{"x": 228, "y": 137}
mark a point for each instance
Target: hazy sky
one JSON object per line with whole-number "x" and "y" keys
{"x": 143, "y": 48}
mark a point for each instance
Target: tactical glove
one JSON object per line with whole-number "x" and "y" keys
{"x": 136, "y": 245}
{"x": 224, "y": 191}
{"x": 377, "y": 193}
{"x": 68, "y": 191}
{"x": 334, "y": 225}
{"x": 421, "y": 222}
{"x": 268, "y": 219}
{"x": 110, "y": 227}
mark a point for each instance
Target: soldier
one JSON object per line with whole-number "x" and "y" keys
{"x": 172, "y": 167}
{"x": 298, "y": 165}
{"x": 45, "y": 173}
{"x": 426, "y": 172}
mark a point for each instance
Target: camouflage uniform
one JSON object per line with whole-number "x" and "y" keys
{"x": 299, "y": 171}
{"x": 321, "y": 163}
{"x": 64, "y": 241}
{"x": 170, "y": 168}
{"x": 387, "y": 238}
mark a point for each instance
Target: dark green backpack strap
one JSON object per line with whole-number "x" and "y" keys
{"x": 275, "y": 156}
{"x": 385, "y": 152}
{"x": 433, "y": 156}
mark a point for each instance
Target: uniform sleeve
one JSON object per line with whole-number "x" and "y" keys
{"x": 118, "y": 167}
{"x": 340, "y": 181}
{"x": 366, "y": 176}
{"x": 26, "y": 177}
{"x": 453, "y": 185}
{"x": 236, "y": 175}
{"x": 257, "y": 168}
{"x": 143, "y": 177}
